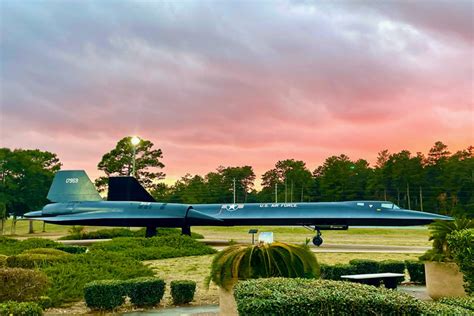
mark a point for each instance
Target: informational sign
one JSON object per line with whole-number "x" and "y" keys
{"x": 265, "y": 237}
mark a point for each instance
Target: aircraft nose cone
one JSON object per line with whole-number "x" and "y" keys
{"x": 33, "y": 214}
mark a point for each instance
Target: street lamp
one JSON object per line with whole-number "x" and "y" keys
{"x": 135, "y": 140}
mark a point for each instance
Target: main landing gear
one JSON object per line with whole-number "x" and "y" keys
{"x": 318, "y": 240}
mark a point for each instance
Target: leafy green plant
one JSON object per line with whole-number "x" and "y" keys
{"x": 240, "y": 262}
{"x": 72, "y": 249}
{"x": 416, "y": 270}
{"x": 3, "y": 261}
{"x": 22, "y": 284}
{"x": 44, "y": 302}
{"x": 104, "y": 294}
{"x": 439, "y": 231}
{"x": 461, "y": 244}
{"x": 145, "y": 292}
{"x": 282, "y": 296}
{"x": 9, "y": 246}
{"x": 20, "y": 308}
{"x": 182, "y": 291}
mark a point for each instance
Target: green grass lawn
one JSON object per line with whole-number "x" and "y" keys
{"x": 410, "y": 236}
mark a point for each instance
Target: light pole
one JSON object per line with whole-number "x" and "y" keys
{"x": 135, "y": 140}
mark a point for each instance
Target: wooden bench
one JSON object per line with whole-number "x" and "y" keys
{"x": 389, "y": 279}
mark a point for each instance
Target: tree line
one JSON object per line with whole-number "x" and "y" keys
{"x": 440, "y": 181}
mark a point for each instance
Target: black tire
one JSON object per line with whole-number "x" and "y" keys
{"x": 317, "y": 241}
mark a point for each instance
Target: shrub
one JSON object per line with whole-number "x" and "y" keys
{"x": 393, "y": 266}
{"x": 3, "y": 261}
{"x": 279, "y": 296}
{"x": 182, "y": 291}
{"x": 22, "y": 284}
{"x": 124, "y": 232}
{"x": 16, "y": 308}
{"x": 364, "y": 266}
{"x": 416, "y": 270}
{"x": 30, "y": 261}
{"x": 145, "y": 291}
{"x": 72, "y": 249}
{"x": 68, "y": 278}
{"x": 334, "y": 272}
{"x": 466, "y": 302}
{"x": 104, "y": 294}
{"x": 240, "y": 262}
{"x": 10, "y": 246}
{"x": 461, "y": 244}
{"x": 46, "y": 251}
{"x": 155, "y": 247}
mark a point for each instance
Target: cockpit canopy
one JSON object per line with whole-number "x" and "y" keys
{"x": 377, "y": 205}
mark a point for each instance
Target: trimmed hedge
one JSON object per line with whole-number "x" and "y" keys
{"x": 466, "y": 302}
{"x": 9, "y": 246}
{"x": 22, "y": 284}
{"x": 16, "y": 308}
{"x": 334, "y": 272}
{"x": 3, "y": 261}
{"x": 182, "y": 291}
{"x": 280, "y": 296}
{"x": 393, "y": 266}
{"x": 46, "y": 251}
{"x": 416, "y": 270}
{"x": 45, "y": 302}
{"x": 110, "y": 294}
{"x": 31, "y": 261}
{"x": 69, "y": 278}
{"x": 364, "y": 266}
{"x": 104, "y": 294}
{"x": 72, "y": 249}
{"x": 145, "y": 292}
{"x": 124, "y": 232}
{"x": 154, "y": 248}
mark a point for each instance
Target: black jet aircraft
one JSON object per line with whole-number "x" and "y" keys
{"x": 128, "y": 204}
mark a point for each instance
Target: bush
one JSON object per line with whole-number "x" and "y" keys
{"x": 182, "y": 291}
{"x": 416, "y": 270}
{"x": 68, "y": 278}
{"x": 364, "y": 266}
{"x": 16, "y": 308}
{"x": 124, "y": 232}
{"x": 281, "y": 296}
{"x": 22, "y": 284}
{"x": 393, "y": 266}
{"x": 30, "y": 261}
{"x": 461, "y": 244}
{"x": 3, "y": 261}
{"x": 334, "y": 272}
{"x": 155, "y": 247}
{"x": 9, "y": 246}
{"x": 72, "y": 249}
{"x": 466, "y": 302}
{"x": 145, "y": 291}
{"x": 46, "y": 251}
{"x": 104, "y": 294}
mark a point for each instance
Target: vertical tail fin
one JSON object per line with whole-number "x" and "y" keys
{"x": 72, "y": 186}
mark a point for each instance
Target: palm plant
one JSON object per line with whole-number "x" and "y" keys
{"x": 439, "y": 231}
{"x": 239, "y": 262}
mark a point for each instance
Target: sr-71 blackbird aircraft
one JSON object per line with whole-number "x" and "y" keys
{"x": 128, "y": 204}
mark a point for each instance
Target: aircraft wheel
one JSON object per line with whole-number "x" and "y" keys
{"x": 317, "y": 241}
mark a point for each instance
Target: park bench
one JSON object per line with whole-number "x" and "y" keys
{"x": 389, "y": 279}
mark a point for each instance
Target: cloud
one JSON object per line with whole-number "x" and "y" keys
{"x": 235, "y": 83}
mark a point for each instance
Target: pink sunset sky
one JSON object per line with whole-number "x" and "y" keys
{"x": 236, "y": 83}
